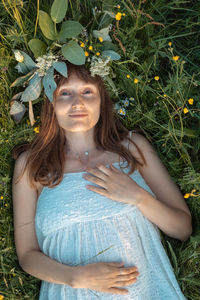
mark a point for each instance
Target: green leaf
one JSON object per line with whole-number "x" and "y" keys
{"x": 17, "y": 111}
{"x": 73, "y": 53}
{"x": 20, "y": 80}
{"x": 111, "y": 84}
{"x": 103, "y": 33}
{"x": 107, "y": 5}
{"x": 46, "y": 25}
{"x": 69, "y": 29}
{"x": 61, "y": 67}
{"x": 27, "y": 65}
{"x": 58, "y": 10}
{"x": 108, "y": 46}
{"x": 49, "y": 84}
{"x": 33, "y": 91}
{"x": 37, "y": 47}
{"x": 112, "y": 54}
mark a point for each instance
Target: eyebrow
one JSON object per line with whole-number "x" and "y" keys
{"x": 69, "y": 86}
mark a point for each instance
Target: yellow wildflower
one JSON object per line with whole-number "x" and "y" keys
{"x": 170, "y": 43}
{"x": 100, "y": 39}
{"x": 6, "y": 204}
{"x": 187, "y": 195}
{"x": 86, "y": 53}
{"x": 128, "y": 76}
{"x": 90, "y": 48}
{"x": 185, "y": 110}
{"x": 191, "y": 101}
{"x": 82, "y": 45}
{"x": 36, "y": 129}
{"x": 164, "y": 95}
{"x": 1, "y": 197}
{"x": 1, "y": 297}
{"x": 123, "y": 14}
{"x": 118, "y": 6}
{"x": 156, "y": 78}
{"x": 97, "y": 53}
{"x": 118, "y": 16}
{"x": 136, "y": 80}
{"x": 175, "y": 58}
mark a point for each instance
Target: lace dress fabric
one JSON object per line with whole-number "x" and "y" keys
{"x": 75, "y": 225}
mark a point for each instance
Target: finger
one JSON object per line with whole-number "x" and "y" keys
{"x": 115, "y": 264}
{"x": 104, "y": 169}
{"x": 128, "y": 277}
{"x": 124, "y": 271}
{"x": 95, "y": 189}
{"x": 125, "y": 283}
{"x": 97, "y": 173}
{"x": 114, "y": 168}
{"x": 94, "y": 180}
{"x": 117, "y": 291}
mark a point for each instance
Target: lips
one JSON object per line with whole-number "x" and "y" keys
{"x": 78, "y": 115}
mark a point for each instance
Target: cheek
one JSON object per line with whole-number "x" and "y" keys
{"x": 61, "y": 107}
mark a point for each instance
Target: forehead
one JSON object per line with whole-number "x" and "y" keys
{"x": 73, "y": 81}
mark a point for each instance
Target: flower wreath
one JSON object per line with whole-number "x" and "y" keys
{"x": 63, "y": 45}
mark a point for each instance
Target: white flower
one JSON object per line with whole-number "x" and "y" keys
{"x": 126, "y": 102}
{"x": 18, "y": 56}
{"x": 44, "y": 63}
{"x": 99, "y": 66}
{"x": 122, "y": 111}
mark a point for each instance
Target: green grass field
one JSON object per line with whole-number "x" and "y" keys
{"x": 160, "y": 45}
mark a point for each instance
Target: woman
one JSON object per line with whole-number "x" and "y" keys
{"x": 88, "y": 198}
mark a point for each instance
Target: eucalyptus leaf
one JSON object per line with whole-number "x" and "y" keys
{"x": 106, "y": 19}
{"x": 69, "y": 29}
{"x": 102, "y": 33}
{"x": 33, "y": 91}
{"x": 58, "y": 10}
{"x": 27, "y": 65}
{"x": 49, "y": 84}
{"x": 112, "y": 54}
{"x": 21, "y": 68}
{"x": 17, "y": 107}
{"x": 20, "y": 80}
{"x": 108, "y": 46}
{"x": 73, "y": 53}
{"x": 17, "y": 111}
{"x": 16, "y": 96}
{"x": 37, "y": 47}
{"x": 61, "y": 67}
{"x": 46, "y": 25}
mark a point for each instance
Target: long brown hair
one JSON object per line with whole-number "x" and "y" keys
{"x": 46, "y": 153}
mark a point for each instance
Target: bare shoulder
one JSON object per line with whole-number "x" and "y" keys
{"x": 19, "y": 172}
{"x": 156, "y": 174}
{"x": 141, "y": 142}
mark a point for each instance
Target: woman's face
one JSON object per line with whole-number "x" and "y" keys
{"x": 77, "y": 105}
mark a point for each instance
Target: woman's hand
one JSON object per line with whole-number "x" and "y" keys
{"x": 114, "y": 184}
{"x": 105, "y": 277}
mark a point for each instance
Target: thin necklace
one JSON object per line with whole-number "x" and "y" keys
{"x": 84, "y": 157}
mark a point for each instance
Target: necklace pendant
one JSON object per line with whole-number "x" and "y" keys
{"x": 86, "y": 153}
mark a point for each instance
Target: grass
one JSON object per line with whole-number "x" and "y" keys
{"x": 157, "y": 108}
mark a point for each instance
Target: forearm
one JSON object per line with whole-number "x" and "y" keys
{"x": 41, "y": 266}
{"x": 174, "y": 222}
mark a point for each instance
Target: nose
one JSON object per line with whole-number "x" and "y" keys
{"x": 78, "y": 101}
